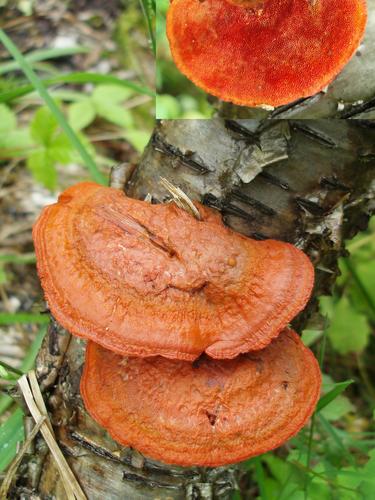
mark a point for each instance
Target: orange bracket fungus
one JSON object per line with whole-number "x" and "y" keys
{"x": 145, "y": 280}
{"x": 209, "y": 413}
{"x": 264, "y": 52}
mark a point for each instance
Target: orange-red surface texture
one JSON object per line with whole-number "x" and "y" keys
{"x": 145, "y": 280}
{"x": 272, "y": 54}
{"x": 208, "y": 413}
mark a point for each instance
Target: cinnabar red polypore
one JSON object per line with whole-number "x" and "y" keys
{"x": 213, "y": 413}
{"x": 270, "y": 52}
{"x": 146, "y": 280}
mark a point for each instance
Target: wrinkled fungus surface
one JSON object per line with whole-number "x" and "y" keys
{"x": 273, "y": 53}
{"x": 145, "y": 280}
{"x": 211, "y": 412}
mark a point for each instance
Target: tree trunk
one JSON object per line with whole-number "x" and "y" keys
{"x": 310, "y": 183}
{"x": 350, "y": 95}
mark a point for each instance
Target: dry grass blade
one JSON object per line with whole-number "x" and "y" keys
{"x": 180, "y": 198}
{"x": 39, "y": 398}
{"x": 71, "y": 485}
{"x": 14, "y": 465}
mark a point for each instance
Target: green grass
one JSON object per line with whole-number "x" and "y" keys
{"x": 41, "y": 89}
{"x": 22, "y": 318}
{"x": 42, "y": 55}
{"x": 149, "y": 11}
{"x": 78, "y": 78}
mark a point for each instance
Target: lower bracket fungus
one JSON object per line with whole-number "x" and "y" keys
{"x": 207, "y": 413}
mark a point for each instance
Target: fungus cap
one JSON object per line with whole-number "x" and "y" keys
{"x": 269, "y": 54}
{"x": 210, "y": 413}
{"x": 146, "y": 280}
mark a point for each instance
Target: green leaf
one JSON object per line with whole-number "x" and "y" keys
{"x": 8, "y": 120}
{"x": 16, "y": 143}
{"x": 41, "y": 89}
{"x": 42, "y": 167}
{"x": 338, "y": 388}
{"x": 167, "y": 107}
{"x": 137, "y": 138}
{"x": 309, "y": 337}
{"x": 107, "y": 99}
{"x": 111, "y": 94}
{"x": 81, "y": 114}
{"x": 349, "y": 330}
{"x": 11, "y": 433}
{"x": 43, "y": 126}
{"x": 60, "y": 150}
{"x": 116, "y": 114}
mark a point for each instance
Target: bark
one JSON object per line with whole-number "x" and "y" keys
{"x": 308, "y": 183}
{"x": 350, "y": 95}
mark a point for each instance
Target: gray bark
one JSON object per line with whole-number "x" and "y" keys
{"x": 350, "y": 95}
{"x": 309, "y": 183}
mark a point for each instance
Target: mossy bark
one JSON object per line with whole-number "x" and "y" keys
{"x": 310, "y": 183}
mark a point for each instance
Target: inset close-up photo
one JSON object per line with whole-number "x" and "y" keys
{"x": 267, "y": 58}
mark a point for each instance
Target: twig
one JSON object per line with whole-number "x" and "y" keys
{"x": 71, "y": 485}
{"x": 17, "y": 460}
{"x": 180, "y": 198}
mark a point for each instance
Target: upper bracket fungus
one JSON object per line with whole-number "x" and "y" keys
{"x": 264, "y": 52}
{"x": 147, "y": 280}
{"x": 210, "y": 413}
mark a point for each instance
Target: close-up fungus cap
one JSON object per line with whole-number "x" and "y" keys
{"x": 143, "y": 279}
{"x": 209, "y": 413}
{"x": 264, "y": 52}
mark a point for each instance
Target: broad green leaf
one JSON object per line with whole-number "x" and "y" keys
{"x": 17, "y": 141}
{"x": 60, "y": 150}
{"x": 332, "y": 402}
{"x": 309, "y": 337}
{"x": 11, "y": 433}
{"x": 115, "y": 113}
{"x": 81, "y": 114}
{"x": 41, "y": 166}
{"x": 366, "y": 274}
{"x": 43, "y": 126}
{"x": 167, "y": 107}
{"x": 8, "y": 120}
{"x": 111, "y": 94}
{"x": 137, "y": 138}
{"x": 107, "y": 100}
{"x": 349, "y": 330}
